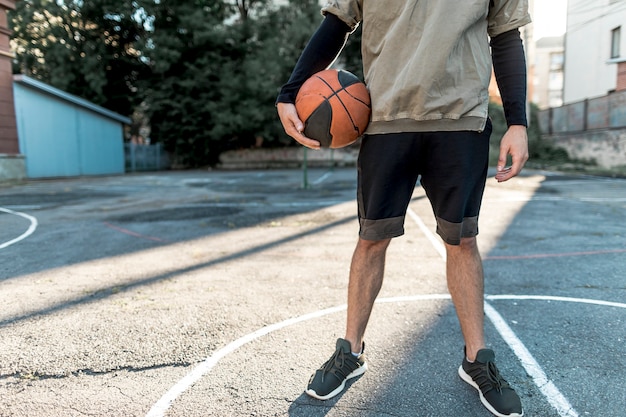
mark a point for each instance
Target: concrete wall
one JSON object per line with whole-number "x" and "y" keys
{"x": 593, "y": 129}
{"x": 12, "y": 167}
{"x": 292, "y": 157}
{"x": 606, "y": 147}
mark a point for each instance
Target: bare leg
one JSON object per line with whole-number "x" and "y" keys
{"x": 465, "y": 282}
{"x": 366, "y": 278}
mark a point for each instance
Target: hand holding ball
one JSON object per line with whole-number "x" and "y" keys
{"x": 335, "y": 108}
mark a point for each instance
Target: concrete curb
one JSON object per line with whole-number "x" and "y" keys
{"x": 288, "y": 158}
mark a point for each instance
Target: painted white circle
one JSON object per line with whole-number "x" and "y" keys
{"x": 31, "y": 229}
{"x": 205, "y": 366}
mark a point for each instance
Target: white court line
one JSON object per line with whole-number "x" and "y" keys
{"x": 322, "y": 203}
{"x": 555, "y": 397}
{"x": 31, "y": 229}
{"x": 164, "y": 403}
{"x": 199, "y": 371}
{"x": 556, "y": 298}
{"x": 322, "y": 178}
{"x": 434, "y": 240}
{"x": 532, "y": 367}
{"x": 512, "y": 199}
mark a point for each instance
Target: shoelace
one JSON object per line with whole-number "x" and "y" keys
{"x": 492, "y": 380}
{"x": 337, "y": 362}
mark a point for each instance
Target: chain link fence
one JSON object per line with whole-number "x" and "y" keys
{"x": 142, "y": 157}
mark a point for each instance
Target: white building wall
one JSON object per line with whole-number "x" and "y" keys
{"x": 589, "y": 70}
{"x": 548, "y": 72}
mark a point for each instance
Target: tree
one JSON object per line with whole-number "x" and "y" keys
{"x": 204, "y": 72}
{"x": 216, "y": 68}
{"x": 84, "y": 48}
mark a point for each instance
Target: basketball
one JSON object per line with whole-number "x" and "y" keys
{"x": 335, "y": 108}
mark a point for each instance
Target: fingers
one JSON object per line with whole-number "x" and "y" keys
{"x": 514, "y": 143}
{"x": 309, "y": 143}
{"x": 503, "y": 174}
{"x": 293, "y": 125}
{"x": 506, "y": 173}
{"x": 303, "y": 140}
{"x": 504, "y": 152}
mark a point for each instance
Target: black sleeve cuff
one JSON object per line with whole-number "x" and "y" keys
{"x": 509, "y": 65}
{"x": 319, "y": 54}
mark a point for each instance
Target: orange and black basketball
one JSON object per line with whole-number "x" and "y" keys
{"x": 335, "y": 108}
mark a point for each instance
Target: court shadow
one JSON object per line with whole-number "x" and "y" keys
{"x": 306, "y": 406}
{"x": 97, "y": 218}
{"x": 414, "y": 351}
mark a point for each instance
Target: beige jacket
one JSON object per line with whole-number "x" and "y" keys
{"x": 427, "y": 63}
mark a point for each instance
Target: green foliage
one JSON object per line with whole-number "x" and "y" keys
{"x": 84, "y": 48}
{"x": 538, "y": 149}
{"x": 204, "y": 73}
{"x": 216, "y": 72}
{"x": 541, "y": 150}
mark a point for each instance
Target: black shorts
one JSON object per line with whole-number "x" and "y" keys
{"x": 453, "y": 170}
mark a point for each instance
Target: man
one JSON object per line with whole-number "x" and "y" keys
{"x": 427, "y": 64}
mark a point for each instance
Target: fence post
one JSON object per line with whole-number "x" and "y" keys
{"x": 305, "y": 174}
{"x": 550, "y": 120}
{"x": 133, "y": 167}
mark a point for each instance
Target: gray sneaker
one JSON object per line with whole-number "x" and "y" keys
{"x": 495, "y": 393}
{"x": 330, "y": 379}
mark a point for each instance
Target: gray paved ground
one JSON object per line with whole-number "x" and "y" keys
{"x": 151, "y": 294}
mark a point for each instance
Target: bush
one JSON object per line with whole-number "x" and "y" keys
{"x": 216, "y": 73}
{"x": 540, "y": 151}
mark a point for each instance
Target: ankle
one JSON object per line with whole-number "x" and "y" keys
{"x": 470, "y": 353}
{"x": 356, "y": 347}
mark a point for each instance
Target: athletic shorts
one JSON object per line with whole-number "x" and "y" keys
{"x": 451, "y": 166}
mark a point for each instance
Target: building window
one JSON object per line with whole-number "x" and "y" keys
{"x": 556, "y": 61}
{"x": 615, "y": 42}
{"x": 555, "y": 81}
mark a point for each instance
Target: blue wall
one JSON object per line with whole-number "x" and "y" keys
{"x": 62, "y": 135}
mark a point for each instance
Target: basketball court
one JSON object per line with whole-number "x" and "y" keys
{"x": 218, "y": 293}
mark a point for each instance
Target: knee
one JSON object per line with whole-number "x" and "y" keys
{"x": 373, "y": 246}
{"x": 467, "y": 244}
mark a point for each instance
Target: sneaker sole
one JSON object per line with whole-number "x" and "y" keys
{"x": 465, "y": 377}
{"x": 358, "y": 371}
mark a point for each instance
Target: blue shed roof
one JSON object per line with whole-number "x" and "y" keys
{"x": 47, "y": 89}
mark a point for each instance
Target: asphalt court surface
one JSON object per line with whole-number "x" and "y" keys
{"x": 217, "y": 293}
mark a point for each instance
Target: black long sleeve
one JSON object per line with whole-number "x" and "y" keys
{"x": 320, "y": 52}
{"x": 509, "y": 65}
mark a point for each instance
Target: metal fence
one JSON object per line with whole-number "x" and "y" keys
{"x": 606, "y": 112}
{"x": 593, "y": 130}
{"x": 140, "y": 157}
